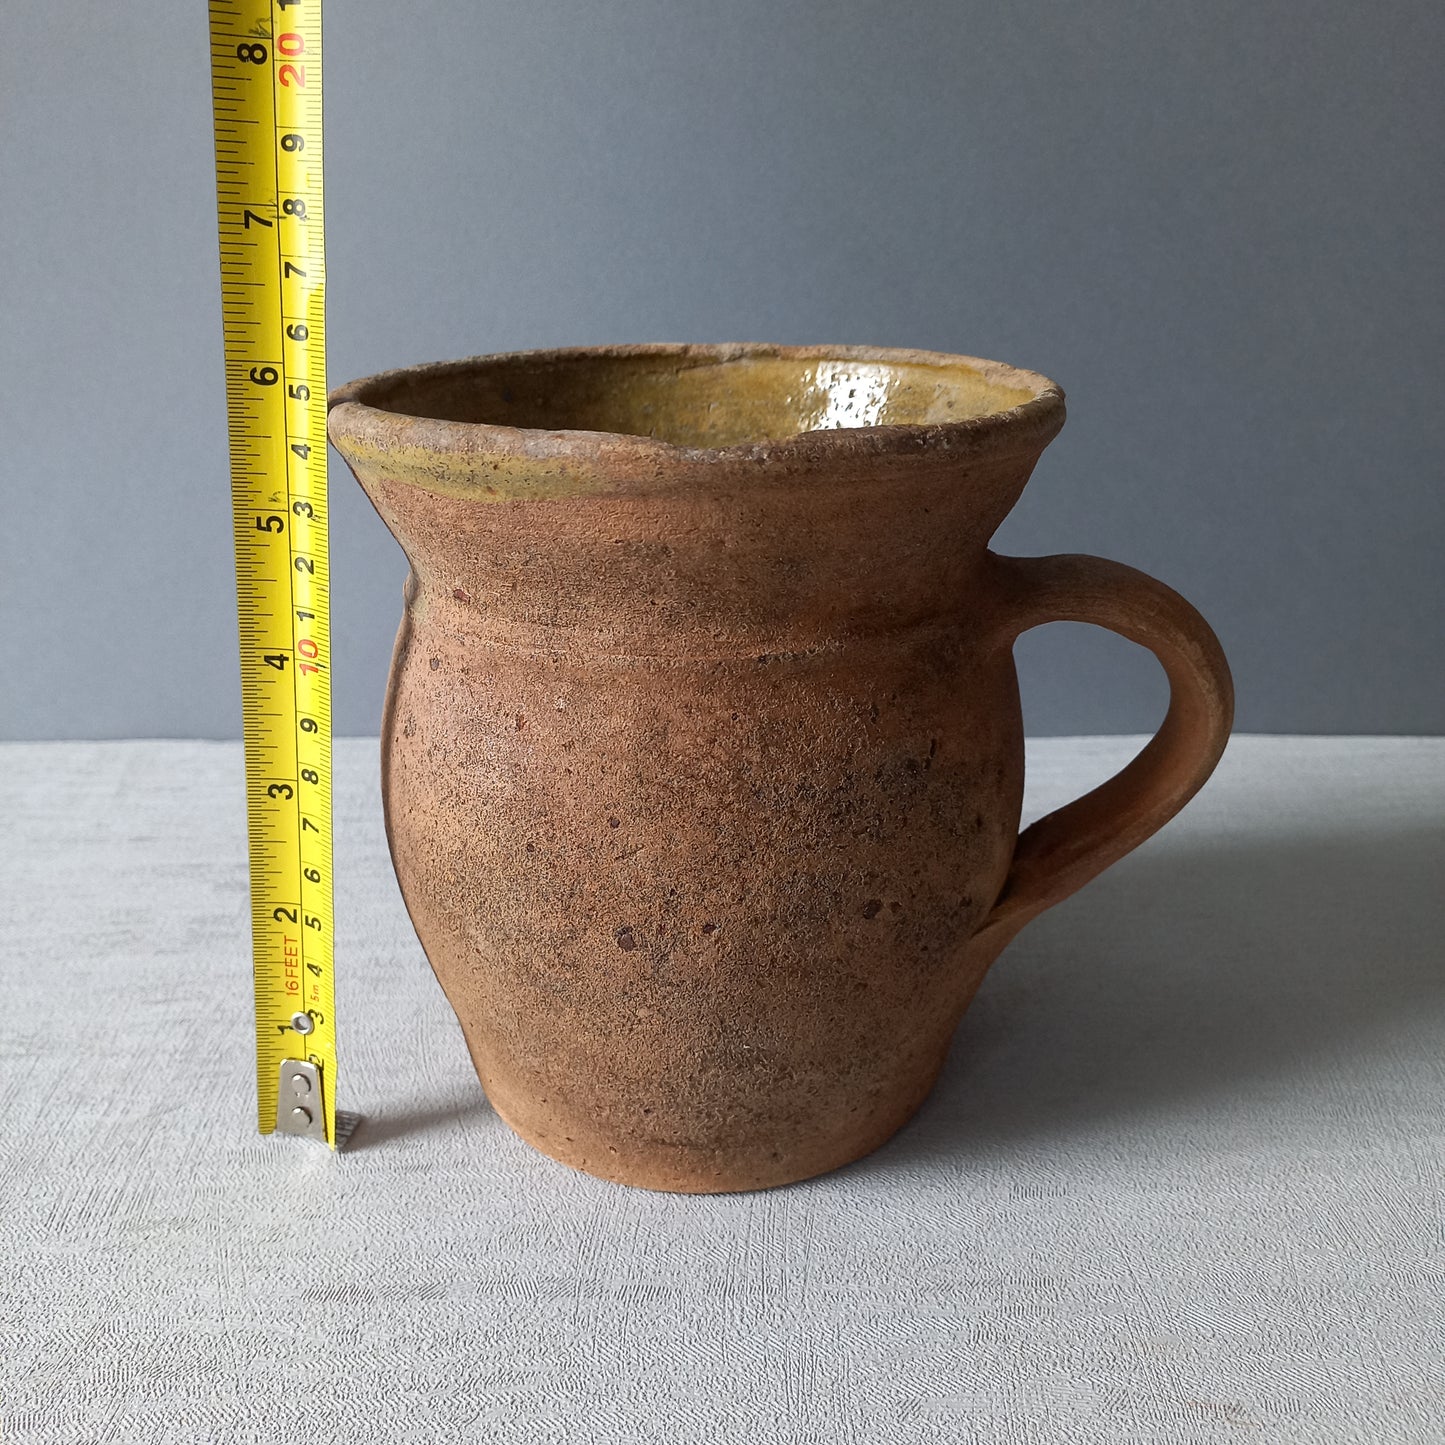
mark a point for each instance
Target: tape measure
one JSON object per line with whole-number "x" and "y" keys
{"x": 266, "y": 89}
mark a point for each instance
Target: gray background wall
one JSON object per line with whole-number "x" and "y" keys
{"x": 1219, "y": 226}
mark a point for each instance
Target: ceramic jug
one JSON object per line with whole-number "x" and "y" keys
{"x": 702, "y": 752}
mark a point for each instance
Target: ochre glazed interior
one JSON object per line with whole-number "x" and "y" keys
{"x": 692, "y": 400}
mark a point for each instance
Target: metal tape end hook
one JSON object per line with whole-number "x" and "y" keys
{"x": 299, "y": 1107}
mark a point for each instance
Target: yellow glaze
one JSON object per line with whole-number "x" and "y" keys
{"x": 560, "y": 423}
{"x": 707, "y": 403}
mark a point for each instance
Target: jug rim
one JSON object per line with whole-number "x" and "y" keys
{"x": 361, "y": 420}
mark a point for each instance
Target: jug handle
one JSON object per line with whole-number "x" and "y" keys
{"x": 1062, "y": 851}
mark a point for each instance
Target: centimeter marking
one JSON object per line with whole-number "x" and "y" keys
{"x": 266, "y": 91}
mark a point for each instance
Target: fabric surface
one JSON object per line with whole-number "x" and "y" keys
{"x": 1181, "y": 1181}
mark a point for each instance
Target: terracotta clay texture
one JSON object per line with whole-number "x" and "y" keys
{"x": 702, "y": 755}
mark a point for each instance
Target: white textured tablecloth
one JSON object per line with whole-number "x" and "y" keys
{"x": 1181, "y": 1182}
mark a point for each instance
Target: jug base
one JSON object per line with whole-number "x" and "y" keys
{"x": 691, "y": 1170}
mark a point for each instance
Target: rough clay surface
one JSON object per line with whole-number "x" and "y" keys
{"x": 701, "y": 918}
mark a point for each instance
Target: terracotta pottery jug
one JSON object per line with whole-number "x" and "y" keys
{"x": 702, "y": 754}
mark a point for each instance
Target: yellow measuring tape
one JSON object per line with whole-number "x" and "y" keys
{"x": 266, "y": 87}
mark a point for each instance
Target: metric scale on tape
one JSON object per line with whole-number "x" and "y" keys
{"x": 266, "y": 87}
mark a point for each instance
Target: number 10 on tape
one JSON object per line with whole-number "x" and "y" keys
{"x": 266, "y": 89}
